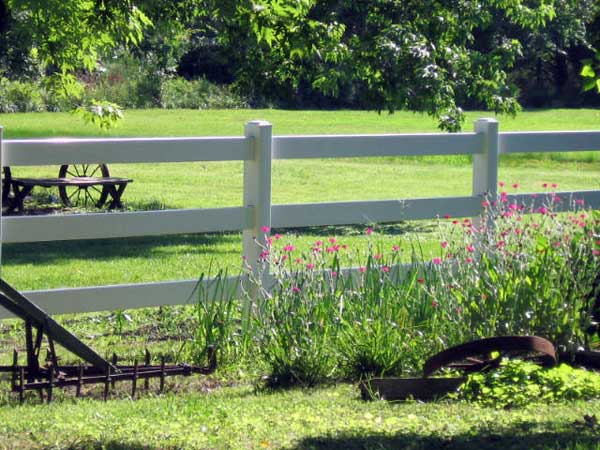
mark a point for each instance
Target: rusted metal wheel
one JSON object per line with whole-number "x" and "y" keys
{"x": 486, "y": 354}
{"x": 6, "y": 183}
{"x": 83, "y": 195}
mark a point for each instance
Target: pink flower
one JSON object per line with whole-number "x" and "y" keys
{"x": 595, "y": 252}
{"x": 296, "y": 289}
{"x": 515, "y": 186}
{"x": 317, "y": 249}
{"x": 469, "y": 260}
{"x": 556, "y": 199}
{"x": 434, "y": 304}
{"x": 485, "y": 203}
{"x": 447, "y": 216}
{"x": 545, "y": 185}
{"x": 269, "y": 241}
{"x": 334, "y": 273}
{"x": 265, "y": 229}
{"x": 501, "y": 183}
{"x": 298, "y": 261}
{"x": 396, "y": 248}
{"x": 318, "y": 243}
{"x": 330, "y": 249}
{"x": 289, "y": 248}
{"x": 310, "y": 266}
{"x": 385, "y": 269}
{"x": 277, "y": 237}
{"x": 263, "y": 254}
{"x": 437, "y": 261}
{"x": 344, "y": 246}
{"x": 369, "y": 231}
{"x": 362, "y": 269}
{"x": 455, "y": 222}
{"x": 542, "y": 210}
{"x": 554, "y": 185}
{"x": 579, "y": 201}
{"x": 377, "y": 256}
{"x": 470, "y": 248}
{"x": 332, "y": 240}
{"x": 444, "y": 244}
{"x": 513, "y": 207}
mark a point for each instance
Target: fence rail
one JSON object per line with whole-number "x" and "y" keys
{"x": 257, "y": 148}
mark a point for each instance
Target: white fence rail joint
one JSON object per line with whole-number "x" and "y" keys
{"x": 257, "y": 148}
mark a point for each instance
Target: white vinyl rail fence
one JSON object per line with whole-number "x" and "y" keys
{"x": 257, "y": 148}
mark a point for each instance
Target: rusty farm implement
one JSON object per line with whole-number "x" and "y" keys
{"x": 50, "y": 374}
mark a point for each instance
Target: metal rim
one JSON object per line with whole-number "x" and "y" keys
{"x": 83, "y": 195}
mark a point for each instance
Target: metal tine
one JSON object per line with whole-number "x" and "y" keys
{"x": 135, "y": 378}
{"x": 162, "y": 374}
{"x": 107, "y": 383}
{"x": 147, "y": 380}
{"x": 13, "y": 380}
{"x": 114, "y": 362}
{"x": 79, "y": 381}
{"x": 21, "y": 385}
{"x": 50, "y": 383}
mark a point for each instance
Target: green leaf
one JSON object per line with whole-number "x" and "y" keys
{"x": 587, "y": 71}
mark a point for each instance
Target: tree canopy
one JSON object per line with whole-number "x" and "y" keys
{"x": 432, "y": 56}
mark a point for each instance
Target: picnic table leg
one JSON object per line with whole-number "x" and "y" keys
{"x": 16, "y": 203}
{"x": 116, "y": 191}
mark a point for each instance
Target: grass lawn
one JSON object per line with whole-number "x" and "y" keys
{"x": 294, "y": 181}
{"x": 327, "y": 418}
{"x": 227, "y": 411}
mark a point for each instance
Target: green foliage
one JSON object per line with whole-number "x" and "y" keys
{"x": 20, "y": 96}
{"x": 519, "y": 383}
{"x": 197, "y": 94}
{"x": 104, "y": 114}
{"x": 216, "y": 313}
{"x": 590, "y": 73}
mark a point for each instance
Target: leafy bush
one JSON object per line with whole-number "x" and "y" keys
{"x": 198, "y": 94}
{"x": 517, "y": 383}
{"x": 20, "y": 96}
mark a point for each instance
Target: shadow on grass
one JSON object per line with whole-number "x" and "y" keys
{"x": 107, "y": 249}
{"x": 504, "y": 439}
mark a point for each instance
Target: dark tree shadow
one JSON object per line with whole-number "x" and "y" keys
{"x": 510, "y": 438}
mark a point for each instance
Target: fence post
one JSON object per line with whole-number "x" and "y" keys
{"x": 485, "y": 162}
{"x": 257, "y": 193}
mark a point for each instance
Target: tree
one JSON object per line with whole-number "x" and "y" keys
{"x": 64, "y": 36}
{"x": 420, "y": 55}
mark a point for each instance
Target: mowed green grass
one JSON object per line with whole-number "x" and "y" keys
{"x": 317, "y": 419}
{"x": 219, "y": 184}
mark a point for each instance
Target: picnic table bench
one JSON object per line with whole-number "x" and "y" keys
{"x": 84, "y": 184}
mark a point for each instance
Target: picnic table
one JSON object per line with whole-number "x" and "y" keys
{"x": 78, "y": 184}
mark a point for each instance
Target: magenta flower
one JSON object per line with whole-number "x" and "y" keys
{"x": 318, "y": 243}
{"x": 296, "y": 289}
{"x": 310, "y": 266}
{"x": 579, "y": 201}
{"x": 369, "y": 231}
{"x": 277, "y": 237}
{"x": 265, "y": 229}
{"x": 362, "y": 269}
{"x": 385, "y": 269}
{"x": 334, "y": 273}
{"x": 447, "y": 216}
{"x": 437, "y": 261}
{"x": 289, "y": 248}
{"x": 485, "y": 203}
{"x": 554, "y": 185}
{"x": 501, "y": 183}
{"x": 470, "y": 248}
{"x": 469, "y": 260}
{"x": 396, "y": 248}
{"x": 263, "y": 254}
{"x": 332, "y": 240}
{"x": 595, "y": 252}
{"x": 444, "y": 244}
{"x": 545, "y": 185}
{"x": 434, "y": 303}
{"x": 377, "y": 256}
{"x": 515, "y": 186}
